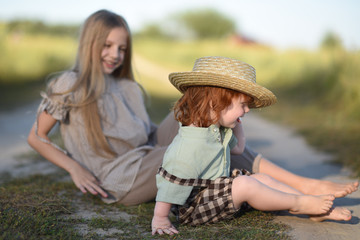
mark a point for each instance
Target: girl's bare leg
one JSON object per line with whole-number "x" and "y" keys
{"x": 275, "y": 184}
{"x": 307, "y": 185}
{"x": 260, "y": 196}
{"x": 337, "y": 213}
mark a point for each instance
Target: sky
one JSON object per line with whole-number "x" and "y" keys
{"x": 279, "y": 23}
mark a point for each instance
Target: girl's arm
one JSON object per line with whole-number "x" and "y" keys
{"x": 239, "y": 134}
{"x": 161, "y": 223}
{"x": 82, "y": 178}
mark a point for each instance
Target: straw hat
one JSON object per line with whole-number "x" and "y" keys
{"x": 227, "y": 73}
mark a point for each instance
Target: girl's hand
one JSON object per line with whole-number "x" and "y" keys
{"x": 85, "y": 181}
{"x": 239, "y": 134}
{"x": 162, "y": 225}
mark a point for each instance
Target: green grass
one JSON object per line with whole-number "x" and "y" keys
{"x": 30, "y": 209}
{"x": 47, "y": 207}
{"x": 25, "y": 63}
{"x": 31, "y": 58}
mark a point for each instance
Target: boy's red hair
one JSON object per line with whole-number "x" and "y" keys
{"x": 197, "y": 103}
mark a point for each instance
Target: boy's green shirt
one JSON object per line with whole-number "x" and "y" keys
{"x": 195, "y": 153}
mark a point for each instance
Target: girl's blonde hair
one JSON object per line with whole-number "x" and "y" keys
{"x": 90, "y": 77}
{"x": 202, "y": 105}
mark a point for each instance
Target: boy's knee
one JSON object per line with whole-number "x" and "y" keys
{"x": 242, "y": 188}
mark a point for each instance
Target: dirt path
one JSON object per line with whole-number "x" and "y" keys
{"x": 14, "y": 128}
{"x": 282, "y": 146}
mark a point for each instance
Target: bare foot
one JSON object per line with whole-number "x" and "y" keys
{"x": 338, "y": 214}
{"x": 319, "y": 187}
{"x": 314, "y": 205}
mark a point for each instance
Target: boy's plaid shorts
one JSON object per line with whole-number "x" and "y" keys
{"x": 210, "y": 200}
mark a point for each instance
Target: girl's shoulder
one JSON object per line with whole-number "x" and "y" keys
{"x": 63, "y": 82}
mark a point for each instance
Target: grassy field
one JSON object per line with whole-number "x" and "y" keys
{"x": 47, "y": 207}
{"x": 27, "y": 58}
{"x": 25, "y": 63}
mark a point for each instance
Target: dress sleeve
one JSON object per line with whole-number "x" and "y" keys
{"x": 54, "y": 106}
{"x": 56, "y": 101}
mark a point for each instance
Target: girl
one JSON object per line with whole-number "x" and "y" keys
{"x": 195, "y": 174}
{"x": 112, "y": 148}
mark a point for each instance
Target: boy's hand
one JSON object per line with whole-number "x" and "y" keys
{"x": 162, "y": 225}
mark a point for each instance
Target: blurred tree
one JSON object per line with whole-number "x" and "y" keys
{"x": 152, "y": 30}
{"x": 331, "y": 41}
{"x": 39, "y": 27}
{"x": 207, "y": 23}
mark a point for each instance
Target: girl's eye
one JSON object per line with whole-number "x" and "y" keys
{"x": 107, "y": 45}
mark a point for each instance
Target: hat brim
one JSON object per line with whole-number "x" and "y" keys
{"x": 261, "y": 95}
